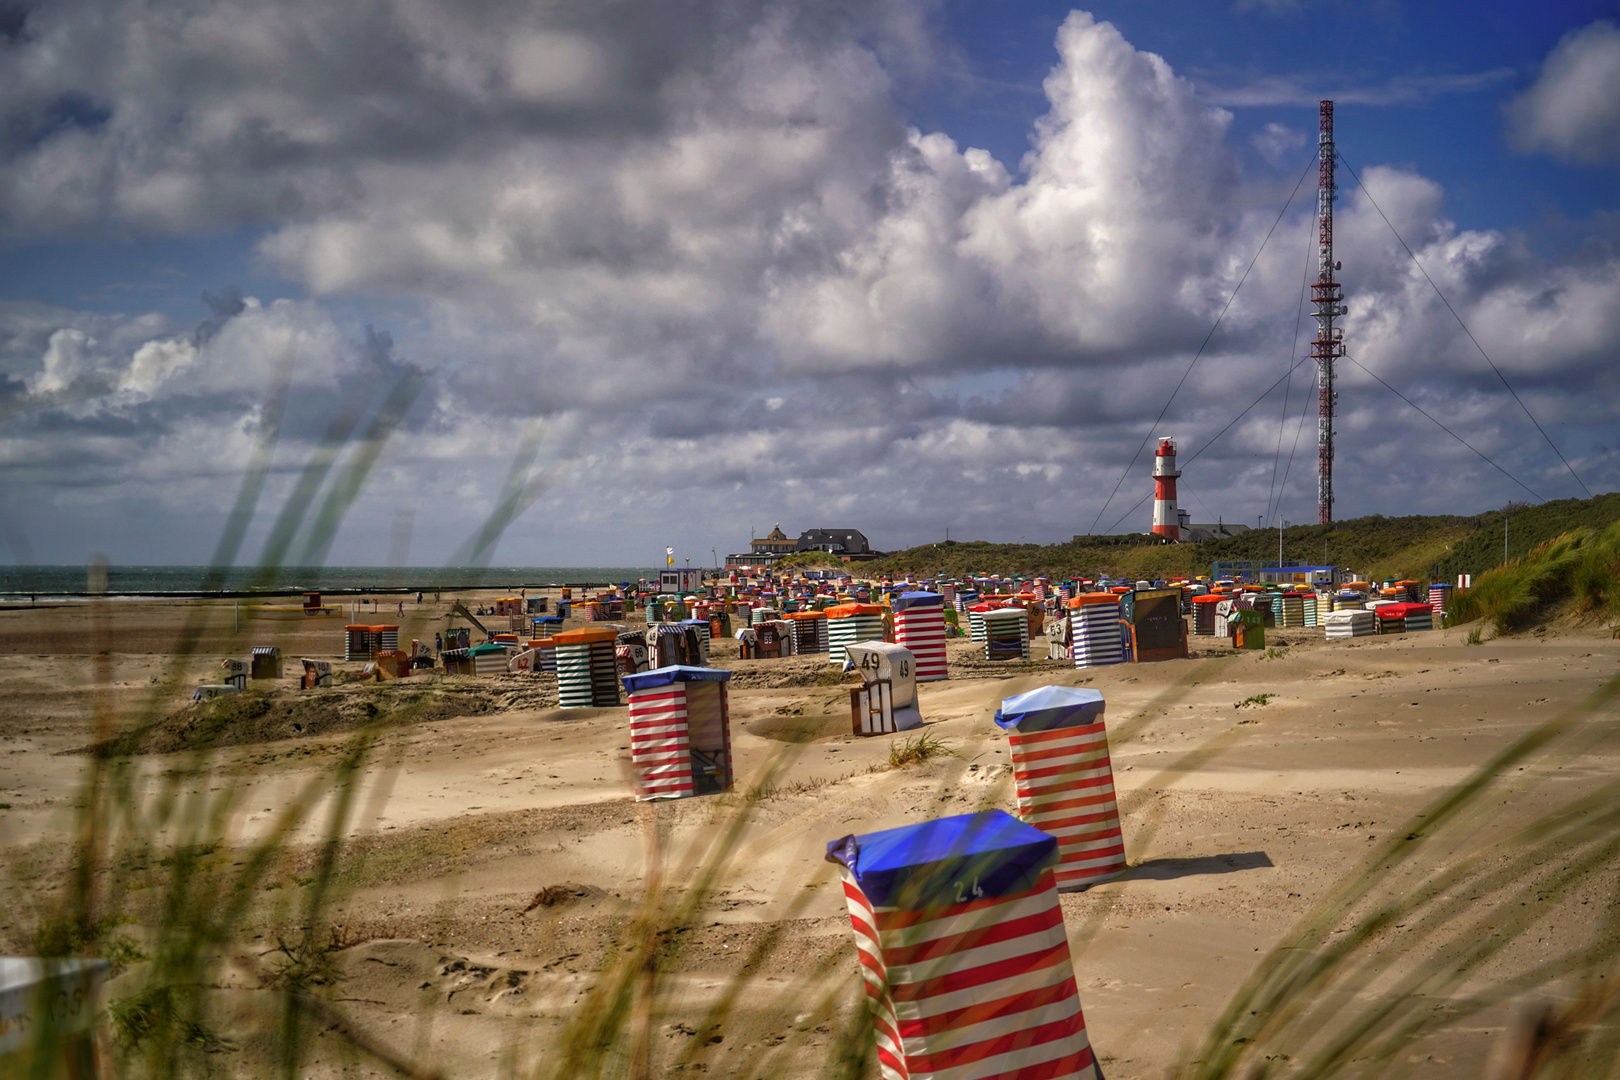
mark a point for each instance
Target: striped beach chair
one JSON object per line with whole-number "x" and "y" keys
{"x": 919, "y": 625}
{"x": 1094, "y": 630}
{"x": 1064, "y": 779}
{"x": 963, "y": 952}
{"x": 680, "y": 732}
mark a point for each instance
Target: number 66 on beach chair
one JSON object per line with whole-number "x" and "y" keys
{"x": 963, "y": 952}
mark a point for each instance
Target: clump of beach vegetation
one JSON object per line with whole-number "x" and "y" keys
{"x": 1580, "y": 568}
{"x": 914, "y": 750}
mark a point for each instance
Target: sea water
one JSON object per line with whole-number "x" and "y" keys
{"x": 60, "y": 582}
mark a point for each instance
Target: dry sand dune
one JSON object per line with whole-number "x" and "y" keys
{"x": 501, "y": 854}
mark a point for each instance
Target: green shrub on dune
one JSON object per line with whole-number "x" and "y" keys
{"x": 1581, "y": 566}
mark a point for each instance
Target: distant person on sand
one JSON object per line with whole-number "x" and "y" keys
{"x": 402, "y": 607}
{"x": 438, "y": 643}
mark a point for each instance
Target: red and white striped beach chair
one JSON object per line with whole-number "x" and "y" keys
{"x": 919, "y": 625}
{"x": 680, "y": 732}
{"x": 1064, "y": 779}
{"x": 963, "y": 952}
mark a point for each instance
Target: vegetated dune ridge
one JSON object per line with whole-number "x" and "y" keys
{"x": 1437, "y": 547}
{"x": 496, "y": 862}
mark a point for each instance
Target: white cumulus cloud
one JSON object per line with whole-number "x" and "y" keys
{"x": 1572, "y": 111}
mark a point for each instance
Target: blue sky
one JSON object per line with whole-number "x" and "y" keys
{"x": 1444, "y": 68}
{"x": 686, "y": 268}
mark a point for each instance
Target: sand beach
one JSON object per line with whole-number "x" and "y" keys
{"x": 495, "y": 859}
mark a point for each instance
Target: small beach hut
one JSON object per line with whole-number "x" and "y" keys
{"x": 1203, "y": 610}
{"x": 680, "y": 732}
{"x": 48, "y": 1010}
{"x": 630, "y": 653}
{"x": 209, "y": 691}
{"x": 703, "y": 630}
{"x": 391, "y": 664}
{"x": 489, "y": 659}
{"x": 850, "y": 623}
{"x": 809, "y": 632}
{"x": 1413, "y": 617}
{"x": 962, "y": 949}
{"x": 976, "y": 614}
{"x": 545, "y": 653}
{"x": 586, "y": 673}
{"x": 1094, "y": 630}
{"x": 317, "y": 673}
{"x": 356, "y": 642}
{"x": 1006, "y": 634}
{"x": 236, "y": 672}
{"x": 1292, "y": 609}
{"x": 919, "y": 625}
{"x": 1156, "y": 628}
{"x": 1058, "y": 640}
{"x": 266, "y": 662}
{"x": 1065, "y": 780}
{"x": 769, "y": 642}
{"x": 1248, "y": 628}
{"x": 1349, "y": 624}
{"x": 887, "y": 700}
{"x": 457, "y": 661}
{"x": 674, "y": 645}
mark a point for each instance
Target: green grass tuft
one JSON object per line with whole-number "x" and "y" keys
{"x": 914, "y": 750}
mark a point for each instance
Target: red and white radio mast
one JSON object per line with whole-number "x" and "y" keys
{"x": 1325, "y": 294}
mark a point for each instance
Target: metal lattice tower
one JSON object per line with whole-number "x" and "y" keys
{"x": 1325, "y": 294}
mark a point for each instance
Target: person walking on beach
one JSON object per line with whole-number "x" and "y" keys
{"x": 438, "y": 643}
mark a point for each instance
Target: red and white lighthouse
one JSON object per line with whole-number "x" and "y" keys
{"x": 1165, "y": 522}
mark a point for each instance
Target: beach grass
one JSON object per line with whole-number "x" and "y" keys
{"x": 1580, "y": 568}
